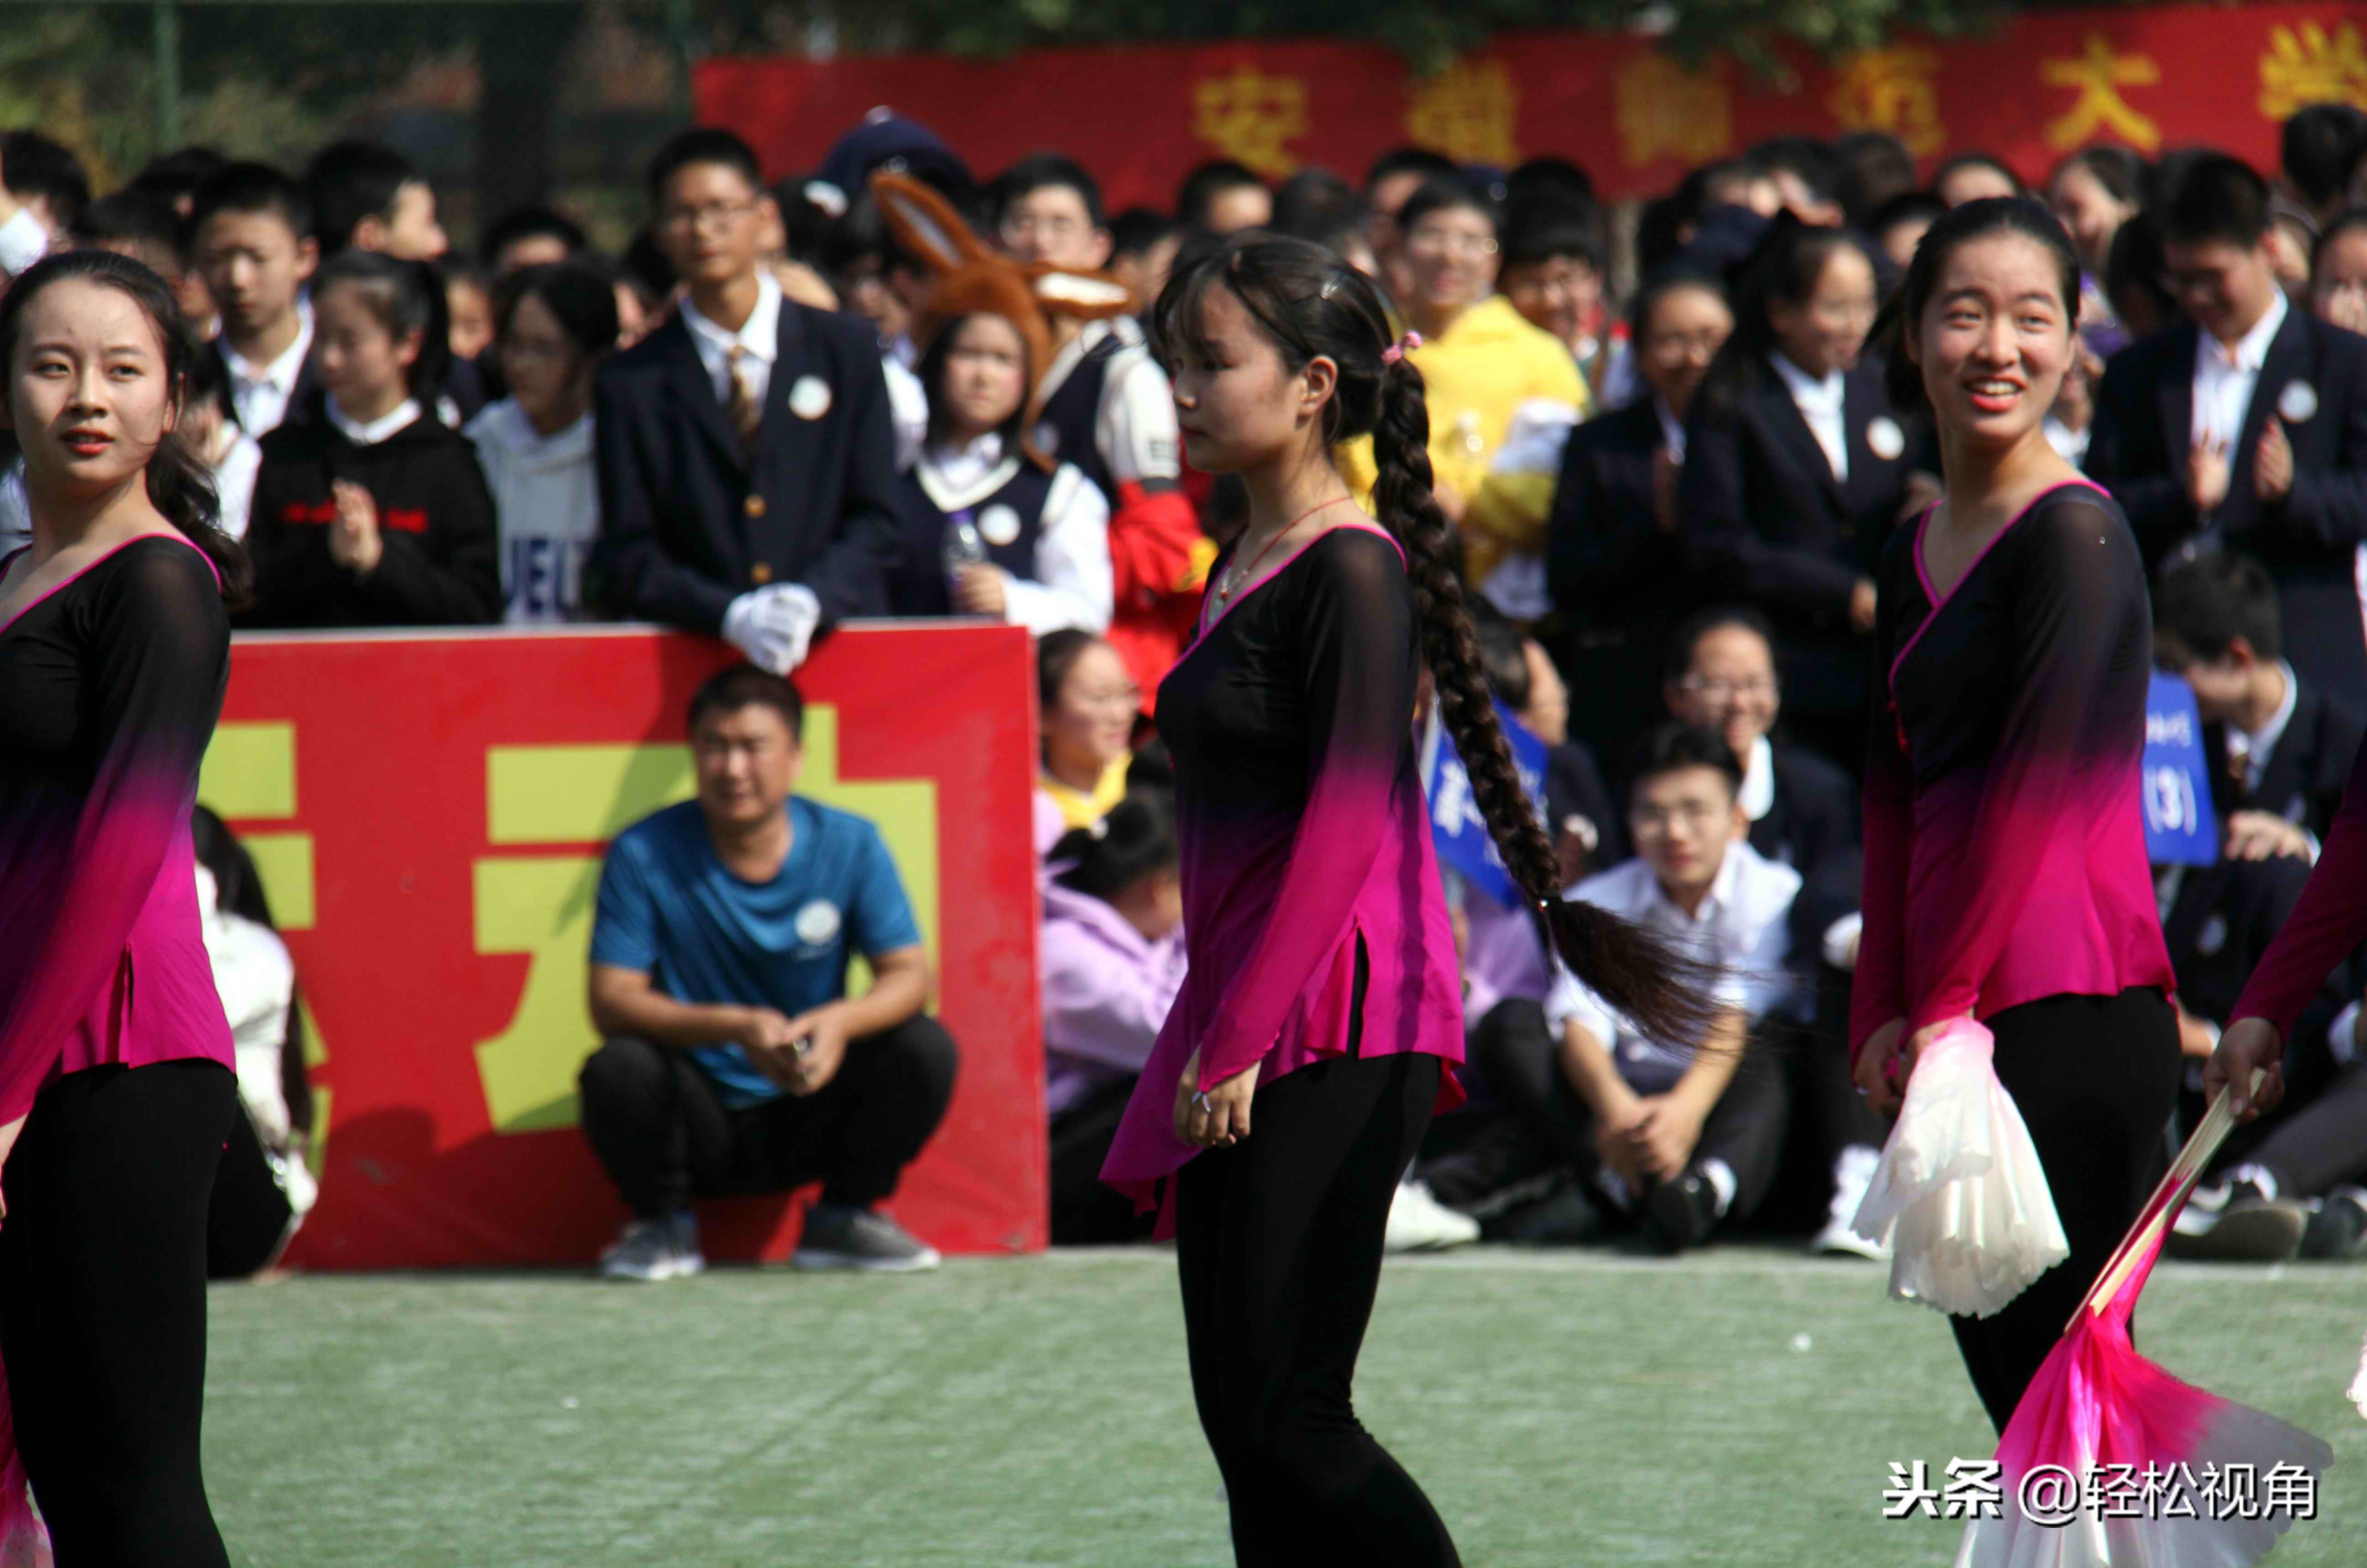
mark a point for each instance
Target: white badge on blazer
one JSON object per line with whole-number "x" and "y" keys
{"x": 2297, "y": 404}
{"x": 818, "y": 923}
{"x": 999, "y": 525}
{"x": 1886, "y": 438}
{"x": 2212, "y": 937}
{"x": 809, "y": 399}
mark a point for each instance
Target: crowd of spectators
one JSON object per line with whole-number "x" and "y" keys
{"x": 890, "y": 386}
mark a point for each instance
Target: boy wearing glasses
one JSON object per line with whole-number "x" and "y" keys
{"x": 1106, "y": 406}
{"x": 746, "y": 453}
{"x": 1680, "y": 1134}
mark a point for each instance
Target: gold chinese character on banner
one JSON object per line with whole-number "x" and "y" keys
{"x": 2304, "y": 66}
{"x": 2099, "y": 74}
{"x": 1666, "y": 111}
{"x": 1249, "y": 116}
{"x": 1892, "y": 90}
{"x": 1467, "y": 111}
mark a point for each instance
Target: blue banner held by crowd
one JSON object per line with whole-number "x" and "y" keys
{"x": 1457, "y": 829}
{"x": 2181, "y": 828}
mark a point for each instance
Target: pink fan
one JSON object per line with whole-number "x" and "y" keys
{"x": 2111, "y": 1461}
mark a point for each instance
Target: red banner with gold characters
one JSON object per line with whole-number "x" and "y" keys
{"x": 2035, "y": 88}
{"x": 428, "y": 813}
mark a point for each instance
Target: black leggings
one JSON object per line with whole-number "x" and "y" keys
{"x": 103, "y": 1309}
{"x": 1278, "y": 1243}
{"x": 2095, "y": 1079}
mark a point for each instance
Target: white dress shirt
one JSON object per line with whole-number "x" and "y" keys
{"x": 1673, "y": 429}
{"x": 260, "y": 392}
{"x": 404, "y": 414}
{"x": 1823, "y": 405}
{"x": 758, "y": 340}
{"x": 235, "y": 473}
{"x": 1743, "y": 928}
{"x": 2257, "y": 746}
{"x": 1073, "y": 584}
{"x": 2225, "y": 377}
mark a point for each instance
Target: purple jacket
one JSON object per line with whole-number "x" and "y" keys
{"x": 1106, "y": 992}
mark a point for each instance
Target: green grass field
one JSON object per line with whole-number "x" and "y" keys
{"x": 1561, "y": 1408}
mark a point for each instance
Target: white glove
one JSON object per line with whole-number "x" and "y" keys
{"x": 774, "y": 626}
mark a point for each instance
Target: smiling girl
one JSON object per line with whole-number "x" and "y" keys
{"x": 2005, "y": 858}
{"x": 374, "y": 514}
{"x": 116, "y": 1080}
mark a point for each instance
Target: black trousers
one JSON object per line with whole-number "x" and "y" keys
{"x": 1086, "y": 1212}
{"x": 1278, "y": 1244}
{"x": 2319, "y": 1146}
{"x": 103, "y": 1309}
{"x": 657, "y": 1127}
{"x": 2095, "y": 1079}
{"x": 1745, "y": 1129}
{"x": 250, "y": 1216}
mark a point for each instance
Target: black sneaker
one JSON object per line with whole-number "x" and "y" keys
{"x": 1680, "y": 1213}
{"x": 2250, "y": 1227}
{"x": 859, "y": 1238}
{"x": 2338, "y": 1229}
{"x": 1564, "y": 1216}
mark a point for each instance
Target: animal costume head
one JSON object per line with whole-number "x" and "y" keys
{"x": 972, "y": 278}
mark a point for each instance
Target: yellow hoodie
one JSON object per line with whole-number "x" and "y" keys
{"x": 1491, "y": 375}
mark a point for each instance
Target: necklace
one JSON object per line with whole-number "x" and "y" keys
{"x": 1229, "y": 583}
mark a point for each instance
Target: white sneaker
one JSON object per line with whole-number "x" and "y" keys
{"x": 1420, "y": 1223}
{"x": 1852, "y": 1173}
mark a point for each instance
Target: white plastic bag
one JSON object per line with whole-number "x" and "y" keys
{"x": 1959, "y": 1196}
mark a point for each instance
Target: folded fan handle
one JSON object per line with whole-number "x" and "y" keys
{"x": 2169, "y": 1197}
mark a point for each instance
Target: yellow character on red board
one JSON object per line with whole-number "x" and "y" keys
{"x": 1251, "y": 117}
{"x": 2099, "y": 74}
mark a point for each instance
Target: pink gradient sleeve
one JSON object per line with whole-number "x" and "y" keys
{"x": 2328, "y": 920}
{"x": 2078, "y": 570}
{"x": 1878, "y": 987}
{"x": 1358, "y": 688}
{"x": 154, "y": 687}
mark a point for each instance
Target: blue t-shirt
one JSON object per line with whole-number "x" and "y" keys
{"x": 669, "y": 909}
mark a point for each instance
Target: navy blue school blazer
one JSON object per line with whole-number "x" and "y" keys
{"x": 689, "y": 521}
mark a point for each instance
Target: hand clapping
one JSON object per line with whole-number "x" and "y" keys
{"x": 355, "y": 542}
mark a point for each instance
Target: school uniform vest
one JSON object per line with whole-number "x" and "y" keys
{"x": 1067, "y": 426}
{"x": 1009, "y": 507}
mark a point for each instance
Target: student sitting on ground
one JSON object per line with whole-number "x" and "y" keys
{"x": 735, "y": 1061}
{"x": 1682, "y": 1134}
{"x": 1112, "y": 959}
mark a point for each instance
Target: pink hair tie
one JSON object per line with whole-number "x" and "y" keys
{"x": 1400, "y": 348}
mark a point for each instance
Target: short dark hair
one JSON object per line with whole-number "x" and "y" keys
{"x": 530, "y": 223}
{"x": 744, "y": 686}
{"x": 1805, "y": 159}
{"x": 1419, "y": 160}
{"x": 1906, "y": 207}
{"x": 702, "y": 144}
{"x": 1208, "y": 180}
{"x": 136, "y": 217}
{"x": 1672, "y": 746}
{"x": 175, "y": 176}
{"x": 1658, "y": 285}
{"x": 35, "y": 165}
{"x": 349, "y": 181}
{"x": 1875, "y": 167}
{"x": 1678, "y": 660}
{"x": 252, "y": 187}
{"x": 581, "y": 298}
{"x": 1445, "y": 193}
{"x": 1138, "y": 231}
{"x": 2217, "y": 198}
{"x": 1550, "y": 176}
{"x": 2317, "y": 146}
{"x": 404, "y": 296}
{"x": 1963, "y": 161}
{"x": 1315, "y": 204}
{"x": 1539, "y": 228}
{"x": 2121, "y": 171}
{"x": 1038, "y": 170}
{"x": 2207, "y": 603}
{"x": 2135, "y": 264}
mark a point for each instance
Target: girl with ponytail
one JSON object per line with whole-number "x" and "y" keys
{"x": 1322, "y": 1001}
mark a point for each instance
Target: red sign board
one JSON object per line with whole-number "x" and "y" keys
{"x": 429, "y": 812}
{"x": 2038, "y": 87}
